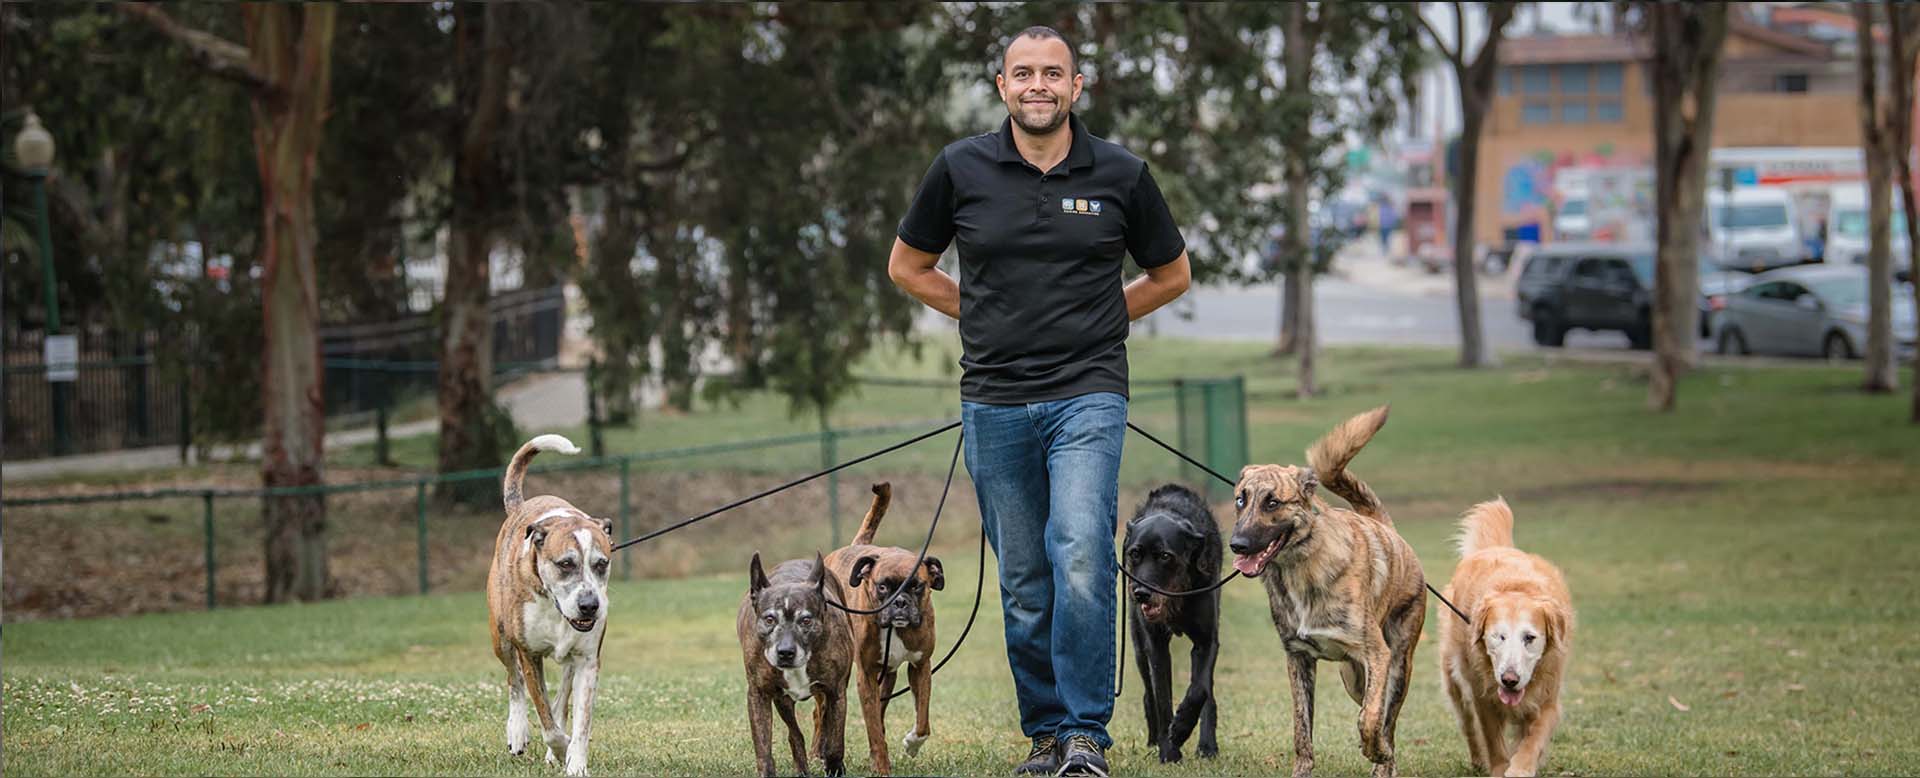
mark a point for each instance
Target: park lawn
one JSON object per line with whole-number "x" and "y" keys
{"x": 1740, "y": 569}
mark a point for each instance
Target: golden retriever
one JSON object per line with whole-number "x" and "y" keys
{"x": 1505, "y": 667}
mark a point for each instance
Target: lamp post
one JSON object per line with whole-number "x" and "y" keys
{"x": 33, "y": 147}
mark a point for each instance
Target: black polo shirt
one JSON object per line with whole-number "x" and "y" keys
{"x": 1042, "y": 315}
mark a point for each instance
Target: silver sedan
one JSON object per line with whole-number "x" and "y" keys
{"x": 1818, "y": 310}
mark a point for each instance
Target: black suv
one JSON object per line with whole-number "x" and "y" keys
{"x": 1589, "y": 286}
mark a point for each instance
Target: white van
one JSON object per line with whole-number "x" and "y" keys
{"x": 1847, "y": 226}
{"x": 1757, "y": 230}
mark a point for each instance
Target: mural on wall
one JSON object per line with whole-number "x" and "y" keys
{"x": 1536, "y": 185}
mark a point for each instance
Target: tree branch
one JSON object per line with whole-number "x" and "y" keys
{"x": 1452, "y": 55}
{"x": 220, "y": 57}
{"x": 1498, "y": 16}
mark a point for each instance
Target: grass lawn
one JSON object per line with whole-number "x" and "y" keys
{"x": 1741, "y": 569}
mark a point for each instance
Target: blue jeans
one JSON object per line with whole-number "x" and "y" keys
{"x": 1047, "y": 477}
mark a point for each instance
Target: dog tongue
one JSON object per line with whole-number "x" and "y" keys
{"x": 1509, "y": 696}
{"x": 1247, "y": 565}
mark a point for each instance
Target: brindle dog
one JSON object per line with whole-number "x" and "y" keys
{"x": 1344, "y": 587}
{"x": 796, "y": 646}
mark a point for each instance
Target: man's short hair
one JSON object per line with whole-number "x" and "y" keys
{"x": 1044, "y": 32}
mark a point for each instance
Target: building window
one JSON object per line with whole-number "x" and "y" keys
{"x": 1573, "y": 79}
{"x": 1573, "y": 112}
{"x": 1534, "y": 112}
{"x": 1790, "y": 82}
{"x": 1536, "y": 80}
{"x": 1506, "y": 81}
{"x": 1606, "y": 111}
{"x": 1606, "y": 79}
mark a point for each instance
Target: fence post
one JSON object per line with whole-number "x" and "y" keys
{"x": 420, "y": 528}
{"x": 626, "y": 556}
{"x": 1181, "y": 428}
{"x": 206, "y": 523}
{"x": 382, "y": 397}
{"x": 186, "y": 412}
{"x": 598, "y": 445}
{"x": 828, "y": 455}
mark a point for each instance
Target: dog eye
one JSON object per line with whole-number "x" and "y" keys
{"x": 768, "y": 620}
{"x": 1166, "y": 556}
{"x": 1240, "y": 500}
{"x": 1526, "y": 640}
{"x": 600, "y": 567}
{"x": 567, "y": 565}
{"x": 1271, "y": 504}
{"x": 806, "y": 621}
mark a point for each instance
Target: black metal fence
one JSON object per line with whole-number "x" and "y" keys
{"x": 135, "y": 390}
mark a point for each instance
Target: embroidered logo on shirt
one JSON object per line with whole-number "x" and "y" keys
{"x": 1080, "y": 206}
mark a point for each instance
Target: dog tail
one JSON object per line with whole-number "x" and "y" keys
{"x": 882, "y": 497}
{"x": 1487, "y": 525}
{"x": 1330, "y": 454}
{"x": 517, "y": 469}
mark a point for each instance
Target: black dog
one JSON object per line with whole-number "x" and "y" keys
{"x": 1173, "y": 543}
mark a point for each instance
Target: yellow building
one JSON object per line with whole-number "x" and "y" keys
{"x": 1583, "y": 102}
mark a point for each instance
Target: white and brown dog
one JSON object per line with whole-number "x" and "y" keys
{"x": 547, "y": 597}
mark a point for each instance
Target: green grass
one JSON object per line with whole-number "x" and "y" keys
{"x": 1748, "y": 558}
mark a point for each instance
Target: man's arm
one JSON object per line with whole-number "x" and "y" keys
{"x": 1145, "y": 294}
{"x": 918, "y": 273}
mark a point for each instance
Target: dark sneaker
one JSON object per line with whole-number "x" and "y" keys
{"x": 1044, "y": 759}
{"x": 1082, "y": 756}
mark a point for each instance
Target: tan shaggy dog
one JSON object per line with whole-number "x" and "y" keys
{"x": 1342, "y": 585}
{"x": 1504, "y": 669}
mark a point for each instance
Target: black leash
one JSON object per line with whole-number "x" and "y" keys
{"x": 788, "y": 485}
{"x": 1230, "y": 482}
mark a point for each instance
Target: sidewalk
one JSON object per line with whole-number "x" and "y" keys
{"x": 540, "y": 402}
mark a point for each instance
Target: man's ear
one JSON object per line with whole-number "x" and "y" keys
{"x": 861, "y": 567}
{"x": 936, "y": 574}
{"x": 756, "y": 577}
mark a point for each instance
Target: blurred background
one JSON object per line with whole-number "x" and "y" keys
{"x": 272, "y": 270}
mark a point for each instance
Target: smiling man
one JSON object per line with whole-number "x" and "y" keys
{"x": 1045, "y": 215}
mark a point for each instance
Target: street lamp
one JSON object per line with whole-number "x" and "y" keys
{"x": 33, "y": 147}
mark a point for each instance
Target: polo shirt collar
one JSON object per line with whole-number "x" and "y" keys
{"x": 1079, "y": 155}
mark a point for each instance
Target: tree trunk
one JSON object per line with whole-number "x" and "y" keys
{"x": 1876, "y": 141}
{"x": 1466, "y": 286}
{"x": 296, "y": 58}
{"x": 1686, "y": 42}
{"x": 1298, "y": 51}
{"x": 1903, "y": 51}
{"x": 676, "y": 345}
{"x": 469, "y": 427}
{"x": 1289, "y": 312}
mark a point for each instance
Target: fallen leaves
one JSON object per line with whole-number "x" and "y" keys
{"x": 1677, "y": 705}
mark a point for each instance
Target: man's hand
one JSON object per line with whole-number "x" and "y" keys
{"x": 918, "y": 273}
{"x": 1147, "y": 293}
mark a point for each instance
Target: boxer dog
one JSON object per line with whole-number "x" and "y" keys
{"x": 902, "y": 634}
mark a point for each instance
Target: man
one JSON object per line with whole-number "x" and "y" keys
{"x": 1045, "y": 214}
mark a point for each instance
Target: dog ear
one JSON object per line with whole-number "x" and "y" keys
{"x": 1309, "y": 481}
{"x": 1477, "y": 624}
{"x": 606, "y": 525}
{"x": 1559, "y": 621}
{"x": 756, "y": 577}
{"x": 536, "y": 535}
{"x": 936, "y": 573}
{"x": 861, "y": 567}
{"x": 819, "y": 579}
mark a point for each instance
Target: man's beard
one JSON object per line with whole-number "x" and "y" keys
{"x": 1019, "y": 117}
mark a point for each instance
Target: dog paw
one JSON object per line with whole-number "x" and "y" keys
{"x": 553, "y": 759}
{"x": 1383, "y": 770}
{"x": 1208, "y": 750}
{"x": 1169, "y": 755}
{"x": 577, "y": 767}
{"x": 835, "y": 768}
{"x": 912, "y": 743}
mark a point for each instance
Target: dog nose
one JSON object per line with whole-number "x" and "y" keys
{"x": 1510, "y": 679}
{"x": 588, "y": 608}
{"x": 785, "y": 654}
{"x": 1140, "y": 595}
{"x": 1241, "y": 545}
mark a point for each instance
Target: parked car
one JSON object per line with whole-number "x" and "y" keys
{"x": 1593, "y": 286}
{"x": 1810, "y": 311}
{"x": 1756, "y": 229}
{"x": 1847, "y": 227}
{"x": 1570, "y": 220}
